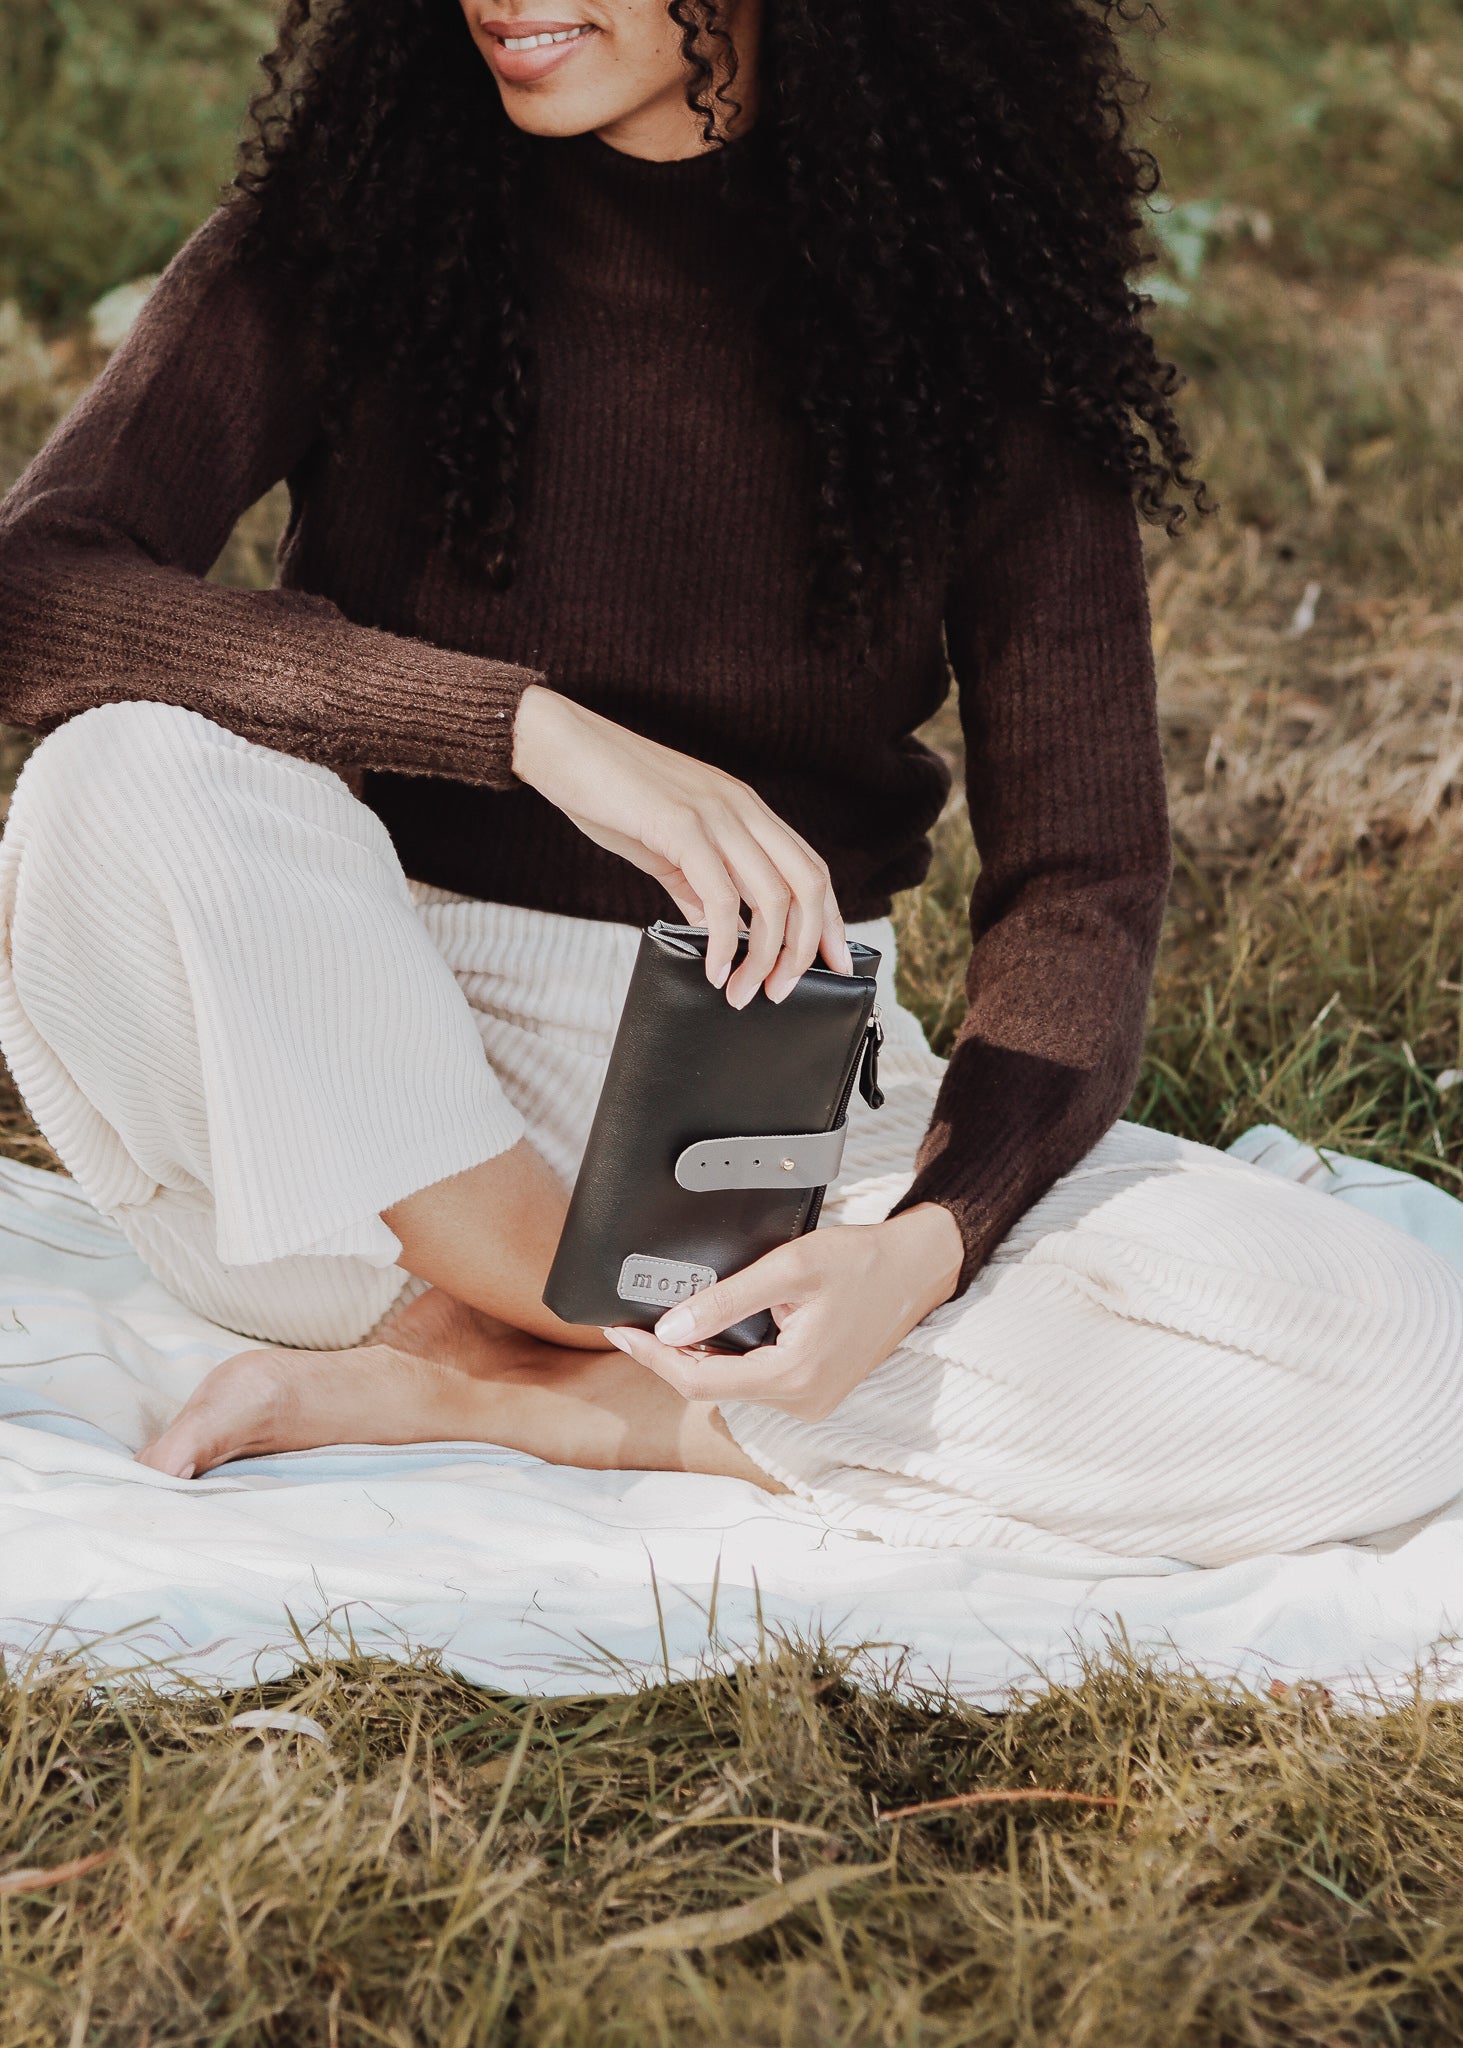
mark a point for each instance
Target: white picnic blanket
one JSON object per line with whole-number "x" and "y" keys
{"x": 536, "y": 1578}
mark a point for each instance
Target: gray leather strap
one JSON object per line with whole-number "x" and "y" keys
{"x": 807, "y": 1159}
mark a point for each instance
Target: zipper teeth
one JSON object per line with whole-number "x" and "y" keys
{"x": 858, "y": 1059}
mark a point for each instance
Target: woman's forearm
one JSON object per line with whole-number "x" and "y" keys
{"x": 107, "y": 539}
{"x": 1049, "y": 637}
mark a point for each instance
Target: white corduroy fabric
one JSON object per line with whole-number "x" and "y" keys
{"x": 246, "y": 1034}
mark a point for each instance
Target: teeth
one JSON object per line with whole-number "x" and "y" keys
{"x": 563, "y": 35}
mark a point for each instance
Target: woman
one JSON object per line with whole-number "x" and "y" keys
{"x": 664, "y": 391}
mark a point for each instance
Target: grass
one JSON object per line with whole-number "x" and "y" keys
{"x": 1331, "y": 1007}
{"x": 1331, "y": 1004}
{"x": 711, "y": 1862}
{"x": 117, "y": 127}
{"x": 1329, "y": 131}
{"x": 706, "y": 1861}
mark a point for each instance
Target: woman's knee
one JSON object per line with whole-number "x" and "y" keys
{"x": 114, "y": 774}
{"x": 139, "y": 791}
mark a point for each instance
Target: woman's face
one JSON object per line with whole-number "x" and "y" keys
{"x": 612, "y": 68}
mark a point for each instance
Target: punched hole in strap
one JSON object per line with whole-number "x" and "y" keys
{"x": 799, "y": 1159}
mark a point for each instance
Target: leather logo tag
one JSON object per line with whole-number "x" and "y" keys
{"x": 661, "y": 1281}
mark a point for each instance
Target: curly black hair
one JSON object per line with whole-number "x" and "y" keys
{"x": 957, "y": 211}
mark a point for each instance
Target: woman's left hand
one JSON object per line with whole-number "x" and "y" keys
{"x": 842, "y": 1298}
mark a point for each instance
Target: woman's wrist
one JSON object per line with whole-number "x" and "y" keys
{"x": 930, "y": 1253}
{"x": 531, "y": 728}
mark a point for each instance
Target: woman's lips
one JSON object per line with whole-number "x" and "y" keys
{"x": 522, "y": 65}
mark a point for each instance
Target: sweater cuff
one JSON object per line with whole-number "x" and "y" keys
{"x": 1006, "y": 1126}
{"x": 417, "y": 709}
{"x": 979, "y": 1232}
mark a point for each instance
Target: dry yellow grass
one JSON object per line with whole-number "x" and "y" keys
{"x": 713, "y": 1862}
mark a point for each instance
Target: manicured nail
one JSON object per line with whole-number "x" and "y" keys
{"x": 188, "y": 1471}
{"x": 617, "y": 1338}
{"x": 718, "y": 980}
{"x": 675, "y": 1326}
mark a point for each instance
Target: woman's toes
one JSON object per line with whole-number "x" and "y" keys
{"x": 165, "y": 1455}
{"x": 285, "y": 1400}
{"x": 241, "y": 1407}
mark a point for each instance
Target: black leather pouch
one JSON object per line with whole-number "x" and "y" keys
{"x": 716, "y": 1133}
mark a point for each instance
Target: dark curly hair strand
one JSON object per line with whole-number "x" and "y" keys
{"x": 953, "y": 196}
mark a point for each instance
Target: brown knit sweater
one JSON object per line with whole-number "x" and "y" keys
{"x": 663, "y": 580}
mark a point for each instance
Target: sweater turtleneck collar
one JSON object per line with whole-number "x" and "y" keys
{"x": 634, "y": 226}
{"x": 621, "y": 171}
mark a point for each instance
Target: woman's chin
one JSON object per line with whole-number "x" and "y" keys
{"x": 543, "y": 112}
{"x": 657, "y": 130}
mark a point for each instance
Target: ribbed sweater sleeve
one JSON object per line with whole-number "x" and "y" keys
{"x": 106, "y": 540}
{"x": 1047, "y": 625}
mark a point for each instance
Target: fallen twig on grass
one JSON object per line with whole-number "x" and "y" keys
{"x": 14, "y": 1881}
{"x": 998, "y": 1798}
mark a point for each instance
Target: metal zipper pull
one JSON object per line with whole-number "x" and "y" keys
{"x": 868, "y": 1080}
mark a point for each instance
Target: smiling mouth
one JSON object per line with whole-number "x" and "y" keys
{"x": 546, "y": 37}
{"x": 523, "y": 51}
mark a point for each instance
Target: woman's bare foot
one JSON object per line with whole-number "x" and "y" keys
{"x": 439, "y": 1371}
{"x": 282, "y": 1400}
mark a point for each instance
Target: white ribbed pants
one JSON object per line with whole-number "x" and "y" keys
{"x": 246, "y": 1034}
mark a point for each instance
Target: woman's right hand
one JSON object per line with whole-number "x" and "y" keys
{"x": 708, "y": 839}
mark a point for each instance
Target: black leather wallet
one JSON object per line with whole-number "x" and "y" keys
{"x": 716, "y": 1133}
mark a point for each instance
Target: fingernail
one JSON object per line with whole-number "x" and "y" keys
{"x": 188, "y": 1471}
{"x": 847, "y": 958}
{"x": 617, "y": 1338}
{"x": 718, "y": 980}
{"x": 675, "y": 1326}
